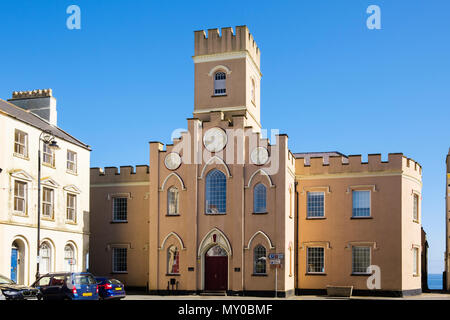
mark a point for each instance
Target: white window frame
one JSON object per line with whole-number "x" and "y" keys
{"x": 71, "y": 162}
{"x": 370, "y": 204}
{"x": 49, "y": 153}
{"x": 19, "y": 143}
{"x": 69, "y": 267}
{"x": 307, "y": 202}
{"x": 48, "y": 203}
{"x": 24, "y": 198}
{"x": 220, "y": 85}
{"x": 71, "y": 209}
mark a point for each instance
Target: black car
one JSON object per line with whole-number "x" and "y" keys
{"x": 67, "y": 286}
{"x": 14, "y": 291}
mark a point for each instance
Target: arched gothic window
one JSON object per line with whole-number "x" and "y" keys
{"x": 259, "y": 198}
{"x": 259, "y": 260}
{"x": 172, "y": 201}
{"x": 216, "y": 192}
{"x": 173, "y": 260}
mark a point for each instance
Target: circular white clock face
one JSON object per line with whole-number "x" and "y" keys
{"x": 215, "y": 139}
{"x": 259, "y": 156}
{"x": 172, "y": 161}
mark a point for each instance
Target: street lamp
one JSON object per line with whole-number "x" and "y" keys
{"x": 47, "y": 138}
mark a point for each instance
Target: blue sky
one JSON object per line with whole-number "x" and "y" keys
{"x": 328, "y": 82}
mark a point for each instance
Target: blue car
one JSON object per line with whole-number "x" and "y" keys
{"x": 67, "y": 286}
{"x": 109, "y": 288}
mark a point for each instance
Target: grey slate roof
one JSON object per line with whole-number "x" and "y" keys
{"x": 325, "y": 155}
{"x": 33, "y": 120}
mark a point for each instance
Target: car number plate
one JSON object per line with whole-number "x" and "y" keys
{"x": 87, "y": 294}
{"x": 118, "y": 288}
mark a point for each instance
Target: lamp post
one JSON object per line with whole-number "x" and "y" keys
{"x": 48, "y": 139}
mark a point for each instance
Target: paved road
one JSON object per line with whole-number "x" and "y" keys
{"x": 425, "y": 296}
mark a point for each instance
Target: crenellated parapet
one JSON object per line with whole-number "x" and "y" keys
{"x": 226, "y": 41}
{"x": 338, "y": 164}
{"x": 119, "y": 174}
{"x": 39, "y": 93}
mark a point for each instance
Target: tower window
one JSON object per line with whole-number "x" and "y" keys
{"x": 220, "y": 88}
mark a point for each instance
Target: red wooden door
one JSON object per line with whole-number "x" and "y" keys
{"x": 216, "y": 273}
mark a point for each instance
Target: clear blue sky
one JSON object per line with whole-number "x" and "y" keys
{"x": 328, "y": 82}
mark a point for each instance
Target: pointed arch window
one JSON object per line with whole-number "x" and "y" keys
{"x": 259, "y": 198}
{"x": 259, "y": 260}
{"x": 172, "y": 201}
{"x": 173, "y": 260}
{"x": 216, "y": 192}
{"x": 220, "y": 87}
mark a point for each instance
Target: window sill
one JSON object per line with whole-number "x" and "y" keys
{"x": 173, "y": 215}
{"x": 260, "y": 275}
{"x": 118, "y": 221}
{"x": 20, "y": 214}
{"x": 72, "y": 172}
{"x": 218, "y": 95}
{"x": 47, "y": 219}
{"x": 416, "y": 221}
{"x": 215, "y": 214}
{"x": 71, "y": 222}
{"x": 315, "y": 218}
{"x": 360, "y": 274}
{"x": 416, "y": 275}
{"x": 315, "y": 274}
{"x": 258, "y": 213}
{"x": 48, "y": 165}
{"x": 172, "y": 274}
{"x": 362, "y": 218}
{"x": 21, "y": 156}
{"x": 119, "y": 272}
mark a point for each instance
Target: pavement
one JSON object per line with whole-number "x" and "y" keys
{"x": 424, "y": 296}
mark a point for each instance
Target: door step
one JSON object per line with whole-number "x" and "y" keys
{"x": 213, "y": 293}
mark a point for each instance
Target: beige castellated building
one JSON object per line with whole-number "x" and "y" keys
{"x": 224, "y": 209}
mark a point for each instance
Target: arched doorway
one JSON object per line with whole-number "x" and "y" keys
{"x": 17, "y": 273}
{"x": 216, "y": 269}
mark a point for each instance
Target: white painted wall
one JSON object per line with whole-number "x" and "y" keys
{"x": 58, "y": 231}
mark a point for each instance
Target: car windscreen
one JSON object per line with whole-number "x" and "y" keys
{"x": 5, "y": 280}
{"x": 83, "y": 279}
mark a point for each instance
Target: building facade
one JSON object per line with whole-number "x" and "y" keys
{"x": 64, "y": 226}
{"x": 354, "y": 214}
{"x": 446, "y": 277}
{"x": 229, "y": 210}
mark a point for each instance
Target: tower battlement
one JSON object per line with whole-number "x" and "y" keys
{"x": 335, "y": 164}
{"x": 226, "y": 41}
{"x": 121, "y": 174}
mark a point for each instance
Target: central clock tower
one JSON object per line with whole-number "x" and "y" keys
{"x": 227, "y": 75}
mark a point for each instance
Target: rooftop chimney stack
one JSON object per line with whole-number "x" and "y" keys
{"x": 40, "y": 102}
